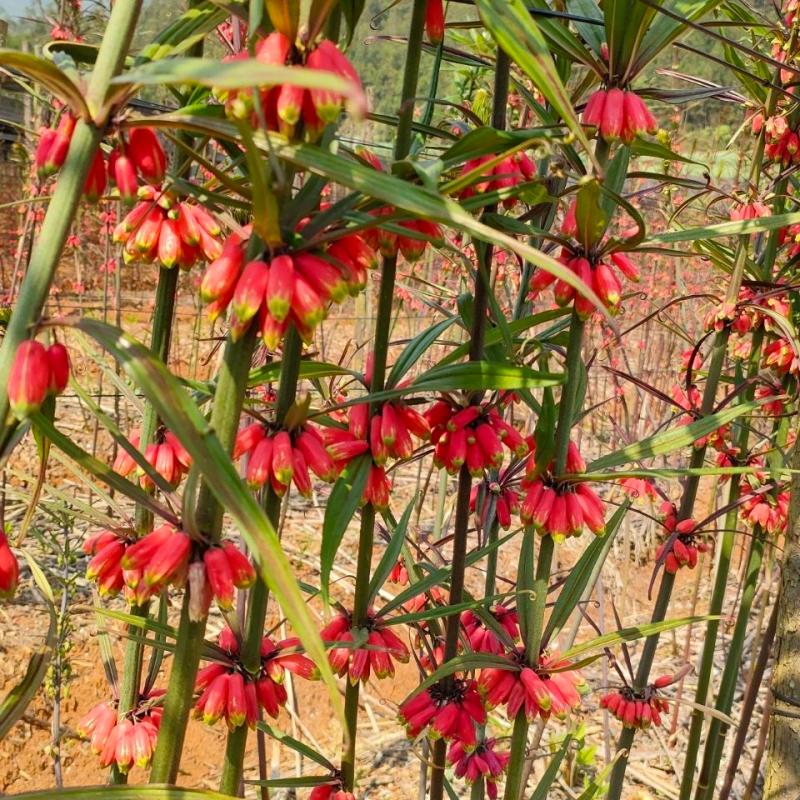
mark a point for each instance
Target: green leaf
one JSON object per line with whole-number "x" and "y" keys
{"x": 344, "y": 499}
{"x": 15, "y": 703}
{"x": 580, "y": 576}
{"x": 294, "y": 744}
{"x": 649, "y": 148}
{"x": 669, "y": 441}
{"x": 632, "y": 634}
{"x": 236, "y": 75}
{"x": 590, "y": 217}
{"x": 476, "y": 375}
{"x": 48, "y": 75}
{"x": 551, "y": 773}
{"x": 186, "y": 421}
{"x": 184, "y": 32}
{"x": 415, "y": 349}
{"x": 265, "y": 205}
{"x": 739, "y": 227}
{"x": 391, "y": 554}
{"x": 513, "y": 28}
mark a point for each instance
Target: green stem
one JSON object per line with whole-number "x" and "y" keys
{"x": 380, "y": 354}
{"x": 231, "y": 779}
{"x": 61, "y": 210}
{"x": 712, "y": 757}
{"x": 228, "y": 401}
{"x": 668, "y": 581}
{"x": 718, "y": 594}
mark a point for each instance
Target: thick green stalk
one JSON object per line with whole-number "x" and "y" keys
{"x": 228, "y": 401}
{"x": 259, "y": 594}
{"x": 462, "y": 512}
{"x": 61, "y": 210}
{"x": 380, "y": 353}
{"x": 685, "y": 512}
{"x": 712, "y": 757}
{"x": 717, "y": 596}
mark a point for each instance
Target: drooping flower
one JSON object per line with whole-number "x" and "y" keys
{"x": 362, "y": 651}
{"x": 36, "y": 372}
{"x": 509, "y": 173}
{"x": 558, "y": 506}
{"x": 484, "y": 761}
{"x": 618, "y": 114}
{"x": 482, "y": 639}
{"x": 165, "y": 454}
{"x": 682, "y": 549}
{"x": 9, "y": 569}
{"x": 450, "y": 709}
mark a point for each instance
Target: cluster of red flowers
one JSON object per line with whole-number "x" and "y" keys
{"x": 362, "y": 651}
{"x": 127, "y": 741}
{"x": 552, "y": 688}
{"x": 473, "y": 435}
{"x": 506, "y": 501}
{"x": 509, "y": 173}
{"x": 421, "y": 232}
{"x": 638, "y": 709}
{"x": 166, "y": 555}
{"x": 782, "y": 143}
{"x": 450, "y": 709}
{"x": 294, "y": 287}
{"x": 279, "y": 457}
{"x": 228, "y": 691}
{"x": 598, "y": 275}
{"x": 390, "y": 429}
{"x": 9, "y": 569}
{"x": 691, "y": 400}
{"x": 482, "y": 639}
{"x": 330, "y": 791}
{"x": 680, "y": 550}
{"x": 618, "y": 114}
{"x": 36, "y": 373}
{"x": 139, "y": 155}
{"x": 484, "y": 761}
{"x": 557, "y": 506}
{"x": 768, "y": 510}
{"x": 291, "y": 109}
{"x": 167, "y": 230}
{"x": 781, "y": 355}
{"x": 166, "y": 455}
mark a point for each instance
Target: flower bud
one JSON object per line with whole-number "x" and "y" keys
{"x": 147, "y": 154}
{"x": 9, "y": 569}
{"x": 30, "y": 379}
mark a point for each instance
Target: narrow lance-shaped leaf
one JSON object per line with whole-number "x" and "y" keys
{"x": 184, "y": 419}
{"x": 392, "y": 553}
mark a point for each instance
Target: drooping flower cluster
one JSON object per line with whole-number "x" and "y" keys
{"x": 9, "y": 569}
{"x": 782, "y": 144}
{"x": 509, "y": 173}
{"x": 139, "y": 155}
{"x": 506, "y": 501}
{"x": 484, "y": 761}
{"x": 390, "y": 429}
{"x": 280, "y": 457}
{"x": 292, "y": 288}
{"x": 330, "y": 791}
{"x": 636, "y": 709}
{"x": 482, "y": 639}
{"x": 597, "y": 274}
{"x": 167, "y": 556}
{"x": 681, "y": 549}
{"x": 553, "y": 688}
{"x": 389, "y": 243}
{"x": 161, "y": 228}
{"x": 618, "y": 114}
{"x": 124, "y": 742}
{"x": 557, "y": 506}
{"x": 450, "y": 709}
{"x": 166, "y": 455}
{"x": 769, "y": 510}
{"x": 691, "y": 400}
{"x": 372, "y": 648}
{"x": 473, "y": 435}
{"x": 36, "y": 373}
{"x": 228, "y": 691}
{"x": 293, "y": 110}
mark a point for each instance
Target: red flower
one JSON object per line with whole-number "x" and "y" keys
{"x": 168, "y": 457}
{"x": 619, "y": 114}
{"x": 482, "y": 762}
{"x": 681, "y": 550}
{"x": 510, "y": 172}
{"x": 483, "y": 639}
{"x": 638, "y": 709}
{"x": 450, "y": 709}
{"x": 378, "y": 647}
{"x": 556, "y": 506}
{"x": 37, "y": 371}
{"x": 9, "y": 569}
